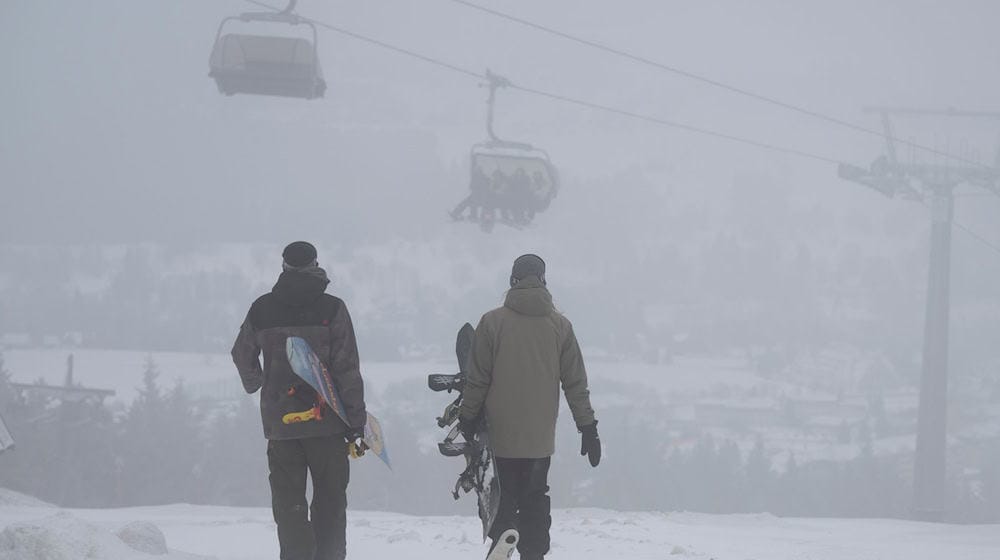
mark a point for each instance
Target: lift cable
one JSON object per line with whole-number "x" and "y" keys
{"x": 715, "y": 83}
{"x": 967, "y": 230}
{"x": 378, "y": 43}
{"x": 675, "y": 124}
{"x": 564, "y": 98}
{"x": 976, "y": 236}
{"x": 596, "y": 106}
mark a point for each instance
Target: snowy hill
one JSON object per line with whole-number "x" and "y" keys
{"x": 10, "y": 498}
{"x": 248, "y": 534}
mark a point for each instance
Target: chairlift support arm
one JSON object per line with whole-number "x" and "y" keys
{"x": 495, "y": 82}
{"x": 986, "y": 178}
{"x": 890, "y": 143}
{"x": 287, "y": 15}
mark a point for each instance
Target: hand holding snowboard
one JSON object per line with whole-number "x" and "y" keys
{"x": 468, "y": 428}
{"x": 356, "y": 445}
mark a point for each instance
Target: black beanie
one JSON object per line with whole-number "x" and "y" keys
{"x": 527, "y": 265}
{"x": 299, "y": 254}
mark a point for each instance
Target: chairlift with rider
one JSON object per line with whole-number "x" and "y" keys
{"x": 509, "y": 182}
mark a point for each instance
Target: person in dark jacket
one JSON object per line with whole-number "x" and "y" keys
{"x": 523, "y": 352}
{"x": 299, "y": 306}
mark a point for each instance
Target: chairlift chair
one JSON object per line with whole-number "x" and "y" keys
{"x": 508, "y": 160}
{"x": 275, "y": 65}
{"x": 514, "y": 178}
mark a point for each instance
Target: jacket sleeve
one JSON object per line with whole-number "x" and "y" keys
{"x": 246, "y": 356}
{"x": 573, "y": 376}
{"x": 480, "y": 372}
{"x": 345, "y": 368}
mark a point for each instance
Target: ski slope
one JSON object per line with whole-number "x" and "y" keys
{"x": 34, "y": 531}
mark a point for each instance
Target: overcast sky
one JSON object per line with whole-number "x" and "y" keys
{"x": 112, "y": 130}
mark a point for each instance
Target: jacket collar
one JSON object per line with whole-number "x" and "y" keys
{"x": 297, "y": 288}
{"x": 530, "y": 297}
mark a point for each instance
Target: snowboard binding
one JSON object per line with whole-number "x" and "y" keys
{"x": 449, "y": 383}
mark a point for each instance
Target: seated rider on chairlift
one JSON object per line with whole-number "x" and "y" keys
{"x": 479, "y": 186}
{"x": 520, "y": 196}
{"x": 540, "y": 192}
{"x": 491, "y": 201}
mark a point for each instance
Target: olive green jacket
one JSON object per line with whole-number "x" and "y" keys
{"x": 522, "y": 353}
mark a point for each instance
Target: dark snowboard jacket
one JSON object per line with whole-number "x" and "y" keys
{"x": 298, "y": 306}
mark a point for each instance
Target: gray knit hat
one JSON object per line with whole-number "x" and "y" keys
{"x": 525, "y": 266}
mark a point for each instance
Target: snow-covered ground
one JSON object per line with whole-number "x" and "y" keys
{"x": 33, "y": 531}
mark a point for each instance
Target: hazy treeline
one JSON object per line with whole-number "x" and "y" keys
{"x": 683, "y": 279}
{"x": 163, "y": 448}
{"x": 167, "y": 448}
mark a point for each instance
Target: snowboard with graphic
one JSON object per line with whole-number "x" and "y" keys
{"x": 307, "y": 365}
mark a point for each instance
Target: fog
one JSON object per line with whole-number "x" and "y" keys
{"x": 753, "y": 324}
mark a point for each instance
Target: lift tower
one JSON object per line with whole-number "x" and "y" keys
{"x": 934, "y": 182}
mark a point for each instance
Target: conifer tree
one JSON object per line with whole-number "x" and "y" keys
{"x": 758, "y": 479}
{"x": 145, "y": 476}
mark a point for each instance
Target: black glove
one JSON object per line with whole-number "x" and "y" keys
{"x": 468, "y": 427}
{"x": 591, "y": 444}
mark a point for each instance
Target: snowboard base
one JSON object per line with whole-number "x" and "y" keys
{"x": 505, "y": 546}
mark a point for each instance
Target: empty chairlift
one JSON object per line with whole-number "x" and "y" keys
{"x": 279, "y": 65}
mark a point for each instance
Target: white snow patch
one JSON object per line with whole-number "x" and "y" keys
{"x": 225, "y": 533}
{"x": 12, "y": 498}
{"x": 66, "y": 537}
{"x": 143, "y": 536}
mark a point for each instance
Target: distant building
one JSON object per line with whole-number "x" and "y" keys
{"x": 845, "y": 410}
{"x": 15, "y": 340}
{"x": 62, "y": 393}
{"x": 67, "y": 392}
{"x": 760, "y": 413}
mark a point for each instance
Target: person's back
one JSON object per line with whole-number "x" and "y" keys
{"x": 298, "y": 306}
{"x": 522, "y": 353}
{"x": 537, "y": 352}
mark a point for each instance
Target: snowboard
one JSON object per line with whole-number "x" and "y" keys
{"x": 480, "y": 469}
{"x": 307, "y": 365}
{"x": 6, "y": 440}
{"x": 505, "y": 545}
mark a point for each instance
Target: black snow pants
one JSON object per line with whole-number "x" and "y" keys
{"x": 525, "y": 504}
{"x": 321, "y": 535}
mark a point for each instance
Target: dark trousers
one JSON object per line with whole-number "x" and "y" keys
{"x": 320, "y": 536}
{"x": 524, "y": 503}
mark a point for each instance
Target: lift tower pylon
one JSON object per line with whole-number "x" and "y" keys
{"x": 936, "y": 182}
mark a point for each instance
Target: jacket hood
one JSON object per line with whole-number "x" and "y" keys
{"x": 300, "y": 287}
{"x": 530, "y": 297}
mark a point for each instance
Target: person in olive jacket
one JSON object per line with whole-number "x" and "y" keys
{"x": 523, "y": 352}
{"x": 299, "y": 306}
